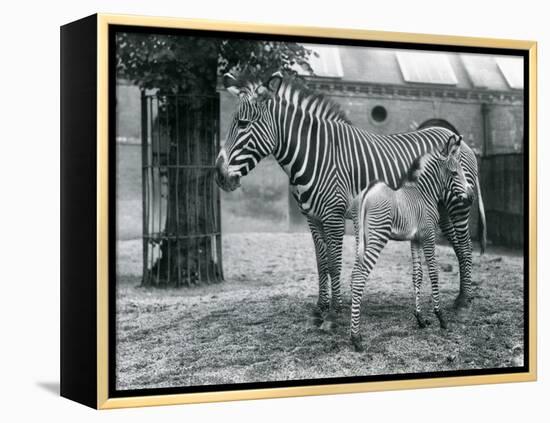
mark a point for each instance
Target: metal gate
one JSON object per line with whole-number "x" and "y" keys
{"x": 181, "y": 202}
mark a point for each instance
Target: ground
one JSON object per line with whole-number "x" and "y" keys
{"x": 258, "y": 324}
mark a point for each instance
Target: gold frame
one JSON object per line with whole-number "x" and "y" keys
{"x": 103, "y": 21}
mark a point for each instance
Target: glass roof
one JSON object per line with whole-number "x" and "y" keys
{"x": 325, "y": 61}
{"x": 512, "y": 69}
{"x": 426, "y": 68}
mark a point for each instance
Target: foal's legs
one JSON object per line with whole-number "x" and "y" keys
{"x": 417, "y": 281}
{"x": 361, "y": 270}
{"x": 429, "y": 255}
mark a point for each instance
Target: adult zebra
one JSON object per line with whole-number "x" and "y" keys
{"x": 329, "y": 161}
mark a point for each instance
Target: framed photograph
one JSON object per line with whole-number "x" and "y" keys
{"x": 253, "y": 211}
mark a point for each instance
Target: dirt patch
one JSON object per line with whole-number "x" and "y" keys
{"x": 257, "y": 325}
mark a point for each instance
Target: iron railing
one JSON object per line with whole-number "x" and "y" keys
{"x": 182, "y": 243}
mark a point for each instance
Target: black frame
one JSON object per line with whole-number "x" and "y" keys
{"x": 78, "y": 211}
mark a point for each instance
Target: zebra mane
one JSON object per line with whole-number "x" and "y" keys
{"x": 293, "y": 90}
{"x": 315, "y": 103}
{"x": 415, "y": 170}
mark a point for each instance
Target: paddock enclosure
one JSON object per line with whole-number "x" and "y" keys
{"x": 257, "y": 325}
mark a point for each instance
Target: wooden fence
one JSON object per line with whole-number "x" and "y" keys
{"x": 502, "y": 184}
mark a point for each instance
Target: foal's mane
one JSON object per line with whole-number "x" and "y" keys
{"x": 416, "y": 170}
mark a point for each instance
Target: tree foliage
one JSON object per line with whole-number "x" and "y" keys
{"x": 190, "y": 64}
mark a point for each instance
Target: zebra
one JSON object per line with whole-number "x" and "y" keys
{"x": 329, "y": 161}
{"x": 409, "y": 213}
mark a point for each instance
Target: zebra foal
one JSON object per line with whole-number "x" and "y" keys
{"x": 409, "y": 213}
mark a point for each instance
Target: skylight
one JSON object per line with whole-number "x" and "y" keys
{"x": 512, "y": 69}
{"x": 426, "y": 68}
{"x": 326, "y": 63}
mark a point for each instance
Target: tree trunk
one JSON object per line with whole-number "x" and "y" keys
{"x": 185, "y": 142}
{"x": 186, "y": 217}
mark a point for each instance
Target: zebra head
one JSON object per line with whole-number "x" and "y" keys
{"x": 252, "y": 134}
{"x": 453, "y": 175}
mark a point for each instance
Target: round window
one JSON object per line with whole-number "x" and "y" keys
{"x": 379, "y": 113}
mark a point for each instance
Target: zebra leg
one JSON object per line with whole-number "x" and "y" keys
{"x": 364, "y": 263}
{"x": 454, "y": 223}
{"x": 465, "y": 296}
{"x": 417, "y": 282}
{"x": 334, "y": 229}
{"x": 318, "y": 235}
{"x": 460, "y": 219}
{"x": 448, "y": 229}
{"x": 429, "y": 254}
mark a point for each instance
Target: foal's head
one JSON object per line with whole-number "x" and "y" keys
{"x": 451, "y": 172}
{"x": 440, "y": 171}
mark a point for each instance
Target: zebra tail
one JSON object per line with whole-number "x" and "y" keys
{"x": 364, "y": 230}
{"x": 360, "y": 214}
{"x": 482, "y": 227}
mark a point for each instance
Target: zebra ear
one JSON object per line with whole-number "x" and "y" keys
{"x": 230, "y": 84}
{"x": 274, "y": 82}
{"x": 452, "y": 147}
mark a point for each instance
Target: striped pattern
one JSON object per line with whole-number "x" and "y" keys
{"x": 328, "y": 162}
{"x": 409, "y": 213}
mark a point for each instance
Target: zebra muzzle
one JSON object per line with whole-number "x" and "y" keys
{"x": 467, "y": 198}
{"x": 226, "y": 181}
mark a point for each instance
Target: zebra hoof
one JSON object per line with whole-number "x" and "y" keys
{"x": 357, "y": 342}
{"x": 319, "y": 318}
{"x": 316, "y": 312}
{"x": 327, "y": 325}
{"x": 422, "y": 323}
{"x": 318, "y": 321}
{"x": 442, "y": 321}
{"x": 337, "y": 307}
{"x": 321, "y": 309}
{"x": 462, "y": 302}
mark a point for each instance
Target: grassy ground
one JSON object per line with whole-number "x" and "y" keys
{"x": 257, "y": 325}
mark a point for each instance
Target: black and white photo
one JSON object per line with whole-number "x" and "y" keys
{"x": 261, "y": 185}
